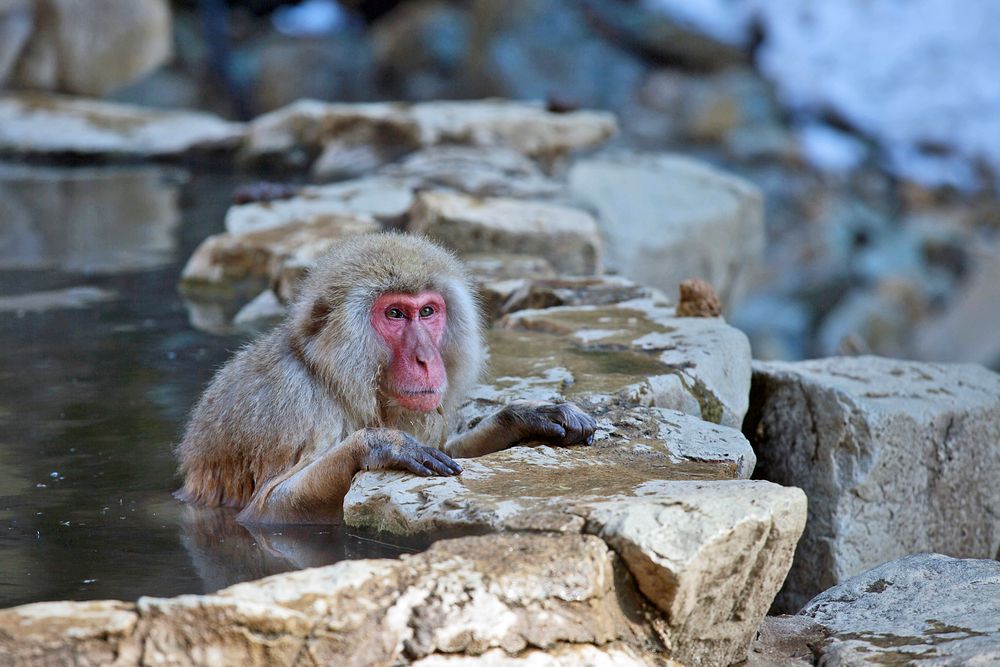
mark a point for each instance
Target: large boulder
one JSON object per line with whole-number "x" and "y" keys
{"x": 925, "y": 609}
{"x": 87, "y": 47}
{"x": 667, "y": 218}
{"x": 38, "y": 124}
{"x": 895, "y": 456}
{"x": 355, "y": 138}
{"x": 497, "y": 596}
{"x": 566, "y": 237}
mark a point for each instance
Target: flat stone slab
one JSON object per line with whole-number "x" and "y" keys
{"x": 566, "y": 237}
{"x": 496, "y": 595}
{"x": 42, "y": 124}
{"x": 364, "y": 136}
{"x": 925, "y": 609}
{"x": 895, "y": 456}
{"x": 386, "y": 199}
{"x": 666, "y": 218}
{"x": 698, "y": 365}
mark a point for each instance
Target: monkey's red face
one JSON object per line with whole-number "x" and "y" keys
{"x": 412, "y": 327}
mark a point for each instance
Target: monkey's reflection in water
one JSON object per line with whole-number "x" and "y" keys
{"x": 225, "y": 553}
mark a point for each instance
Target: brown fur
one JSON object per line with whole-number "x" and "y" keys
{"x": 285, "y": 425}
{"x": 290, "y": 397}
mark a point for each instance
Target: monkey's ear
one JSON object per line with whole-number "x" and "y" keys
{"x": 316, "y": 318}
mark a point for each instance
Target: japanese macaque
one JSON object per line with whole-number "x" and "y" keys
{"x": 367, "y": 373}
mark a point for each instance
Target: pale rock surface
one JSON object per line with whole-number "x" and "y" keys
{"x": 496, "y": 595}
{"x": 666, "y": 218}
{"x": 710, "y": 554}
{"x": 566, "y": 237}
{"x": 895, "y": 456}
{"x": 386, "y": 199}
{"x": 86, "y": 47}
{"x": 696, "y": 365}
{"x": 572, "y": 655}
{"x": 43, "y": 124}
{"x": 497, "y": 172}
{"x": 230, "y": 263}
{"x": 359, "y": 137}
{"x": 924, "y": 609}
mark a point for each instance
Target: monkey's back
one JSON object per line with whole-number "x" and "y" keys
{"x": 261, "y": 413}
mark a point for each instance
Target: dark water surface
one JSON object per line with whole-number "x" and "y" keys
{"x": 95, "y": 386}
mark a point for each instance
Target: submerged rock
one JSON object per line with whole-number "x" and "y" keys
{"x": 925, "y": 609}
{"x": 895, "y": 456}
{"x": 667, "y": 218}
{"x": 566, "y": 237}
{"x": 37, "y": 124}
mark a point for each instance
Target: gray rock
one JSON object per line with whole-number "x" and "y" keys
{"x": 42, "y": 124}
{"x": 666, "y": 218}
{"x": 925, "y": 609}
{"x": 566, "y": 237}
{"x": 87, "y": 48}
{"x": 895, "y": 456}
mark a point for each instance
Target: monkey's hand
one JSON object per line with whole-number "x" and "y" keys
{"x": 556, "y": 424}
{"x": 389, "y": 449}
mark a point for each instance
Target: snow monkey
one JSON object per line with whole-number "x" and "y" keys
{"x": 366, "y": 373}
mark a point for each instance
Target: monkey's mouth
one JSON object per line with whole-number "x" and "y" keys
{"x": 422, "y": 400}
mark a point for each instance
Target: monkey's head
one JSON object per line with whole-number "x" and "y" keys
{"x": 389, "y": 319}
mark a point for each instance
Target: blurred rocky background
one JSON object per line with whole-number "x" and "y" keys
{"x": 872, "y": 128}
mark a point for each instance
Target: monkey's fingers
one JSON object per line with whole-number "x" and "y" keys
{"x": 579, "y": 426}
{"x": 447, "y": 461}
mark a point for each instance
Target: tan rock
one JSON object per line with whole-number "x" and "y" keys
{"x": 565, "y": 236}
{"x": 377, "y": 133}
{"x": 496, "y": 595}
{"x": 231, "y": 264}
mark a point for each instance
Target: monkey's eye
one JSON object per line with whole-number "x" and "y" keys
{"x": 426, "y": 311}
{"x": 395, "y": 314}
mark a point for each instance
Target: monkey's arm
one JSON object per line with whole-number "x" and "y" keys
{"x": 313, "y": 490}
{"x": 522, "y": 422}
